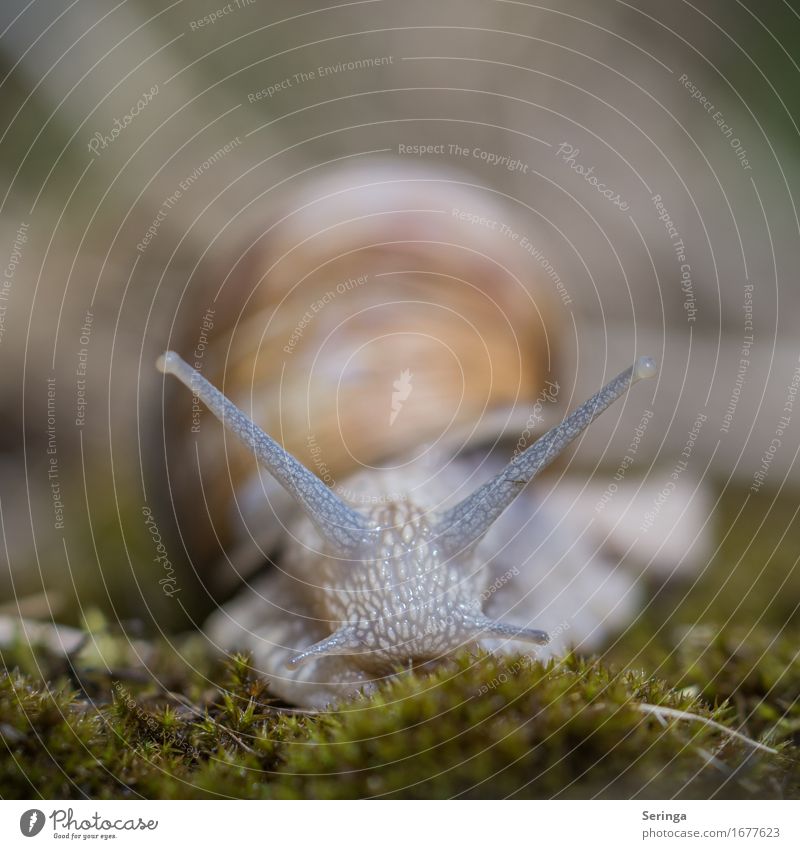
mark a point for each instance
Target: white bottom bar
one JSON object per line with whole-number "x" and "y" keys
{"x": 386, "y": 824}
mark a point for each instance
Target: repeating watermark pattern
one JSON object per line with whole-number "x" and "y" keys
{"x": 218, "y": 14}
{"x": 780, "y": 430}
{"x": 687, "y": 286}
{"x": 744, "y": 360}
{"x": 190, "y": 179}
{"x": 319, "y": 304}
{"x": 680, "y": 467}
{"x": 524, "y": 661}
{"x": 569, "y": 156}
{"x": 53, "y": 475}
{"x": 523, "y": 241}
{"x": 498, "y": 583}
{"x": 369, "y": 498}
{"x": 318, "y": 73}
{"x": 402, "y": 392}
{"x": 626, "y": 462}
{"x": 184, "y": 185}
{"x": 496, "y": 160}
{"x": 102, "y": 141}
{"x": 719, "y": 119}
{"x": 169, "y": 583}
{"x": 167, "y": 204}
{"x": 206, "y": 326}
{"x": 323, "y": 470}
{"x": 170, "y": 738}
{"x": 80, "y": 371}
{"x": 10, "y": 271}
{"x": 359, "y": 498}
{"x": 529, "y": 247}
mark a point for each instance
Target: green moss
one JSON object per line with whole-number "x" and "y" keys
{"x": 477, "y": 727}
{"x": 481, "y": 728}
{"x": 756, "y": 672}
{"x": 728, "y": 635}
{"x": 719, "y": 649}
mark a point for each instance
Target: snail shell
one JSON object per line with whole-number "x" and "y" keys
{"x": 374, "y": 347}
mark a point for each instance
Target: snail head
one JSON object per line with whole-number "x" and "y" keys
{"x": 407, "y": 583}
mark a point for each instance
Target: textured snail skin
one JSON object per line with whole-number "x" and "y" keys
{"x": 406, "y": 604}
{"x": 405, "y": 585}
{"x": 410, "y": 607}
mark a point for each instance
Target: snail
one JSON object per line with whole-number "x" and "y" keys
{"x": 392, "y": 586}
{"x": 380, "y": 525}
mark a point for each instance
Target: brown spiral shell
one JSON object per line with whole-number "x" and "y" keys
{"x": 357, "y": 278}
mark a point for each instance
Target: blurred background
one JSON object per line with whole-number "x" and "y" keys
{"x": 649, "y": 151}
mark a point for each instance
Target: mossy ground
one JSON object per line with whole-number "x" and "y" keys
{"x": 652, "y": 718}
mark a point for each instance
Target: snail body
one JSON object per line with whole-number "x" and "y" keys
{"x": 397, "y": 585}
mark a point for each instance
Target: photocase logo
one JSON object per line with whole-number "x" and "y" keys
{"x": 402, "y": 389}
{"x": 31, "y": 822}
